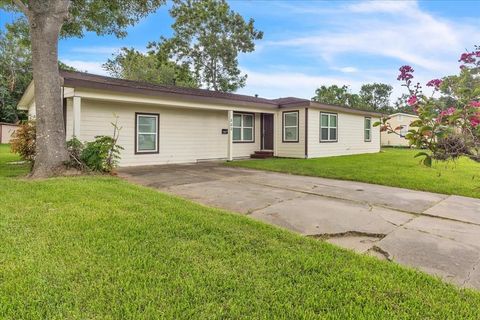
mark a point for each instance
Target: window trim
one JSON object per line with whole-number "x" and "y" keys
{"x": 157, "y": 150}
{"x": 320, "y": 127}
{"x": 365, "y": 129}
{"x": 297, "y": 126}
{"x": 241, "y": 128}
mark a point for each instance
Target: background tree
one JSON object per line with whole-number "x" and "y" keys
{"x": 48, "y": 20}
{"x": 131, "y": 64}
{"x": 208, "y": 37}
{"x": 336, "y": 95}
{"x": 376, "y": 97}
{"x": 15, "y": 68}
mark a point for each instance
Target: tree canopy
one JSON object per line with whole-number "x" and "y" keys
{"x": 208, "y": 37}
{"x": 131, "y": 64}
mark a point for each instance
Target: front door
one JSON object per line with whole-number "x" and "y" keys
{"x": 267, "y": 131}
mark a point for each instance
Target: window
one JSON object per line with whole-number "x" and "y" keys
{"x": 146, "y": 136}
{"x": 328, "y": 127}
{"x": 368, "y": 129}
{"x": 403, "y": 131}
{"x": 400, "y": 118}
{"x": 290, "y": 126}
{"x": 243, "y": 127}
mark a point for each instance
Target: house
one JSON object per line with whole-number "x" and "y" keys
{"x": 401, "y": 121}
{"x": 6, "y": 131}
{"x": 169, "y": 124}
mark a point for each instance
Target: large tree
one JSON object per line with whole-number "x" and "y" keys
{"x": 15, "y": 68}
{"x": 48, "y": 20}
{"x": 376, "y": 96}
{"x": 208, "y": 37}
{"x": 336, "y": 95}
{"x": 131, "y": 64}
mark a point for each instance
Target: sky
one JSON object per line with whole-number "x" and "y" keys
{"x": 307, "y": 44}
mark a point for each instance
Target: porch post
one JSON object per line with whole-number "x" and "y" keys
{"x": 77, "y": 110}
{"x": 230, "y": 136}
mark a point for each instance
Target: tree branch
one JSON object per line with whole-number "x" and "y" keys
{"x": 22, "y": 6}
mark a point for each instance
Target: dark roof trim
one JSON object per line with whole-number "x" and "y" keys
{"x": 92, "y": 81}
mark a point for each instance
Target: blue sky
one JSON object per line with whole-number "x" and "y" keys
{"x": 311, "y": 43}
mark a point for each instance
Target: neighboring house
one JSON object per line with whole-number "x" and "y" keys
{"x": 401, "y": 121}
{"x": 168, "y": 124}
{"x": 6, "y": 131}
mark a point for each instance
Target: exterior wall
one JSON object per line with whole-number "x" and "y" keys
{"x": 6, "y": 131}
{"x": 185, "y": 135}
{"x": 393, "y": 139}
{"x": 350, "y": 134}
{"x": 32, "y": 111}
{"x": 289, "y": 149}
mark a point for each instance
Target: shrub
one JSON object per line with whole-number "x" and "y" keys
{"x": 23, "y": 141}
{"x": 102, "y": 154}
{"x": 75, "y": 149}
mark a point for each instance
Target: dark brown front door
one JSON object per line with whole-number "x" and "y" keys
{"x": 267, "y": 131}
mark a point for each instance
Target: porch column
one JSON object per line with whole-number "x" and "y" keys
{"x": 77, "y": 111}
{"x": 230, "y": 136}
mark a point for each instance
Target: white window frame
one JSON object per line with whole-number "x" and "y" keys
{"x": 328, "y": 127}
{"x": 137, "y": 132}
{"x": 369, "y": 129}
{"x": 285, "y": 127}
{"x": 242, "y": 126}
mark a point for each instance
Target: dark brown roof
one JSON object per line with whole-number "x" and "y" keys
{"x": 93, "y": 81}
{"x": 81, "y": 79}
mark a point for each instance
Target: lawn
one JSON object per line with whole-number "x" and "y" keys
{"x": 101, "y": 248}
{"x": 391, "y": 167}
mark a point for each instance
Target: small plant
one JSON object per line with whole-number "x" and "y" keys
{"x": 103, "y": 154}
{"x": 75, "y": 149}
{"x": 23, "y": 141}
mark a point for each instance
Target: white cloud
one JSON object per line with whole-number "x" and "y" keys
{"x": 88, "y": 66}
{"x": 347, "y": 69}
{"x": 394, "y": 29}
{"x": 283, "y": 84}
{"x": 104, "y": 50}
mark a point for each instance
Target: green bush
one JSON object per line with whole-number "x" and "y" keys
{"x": 102, "y": 154}
{"x": 23, "y": 141}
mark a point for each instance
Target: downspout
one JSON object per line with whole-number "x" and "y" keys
{"x": 306, "y": 133}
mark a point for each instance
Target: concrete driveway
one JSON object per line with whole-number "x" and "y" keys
{"x": 435, "y": 233}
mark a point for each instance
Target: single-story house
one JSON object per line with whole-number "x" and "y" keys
{"x": 401, "y": 121}
{"x": 169, "y": 124}
{"x": 6, "y": 131}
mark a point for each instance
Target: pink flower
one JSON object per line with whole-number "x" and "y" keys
{"x": 412, "y": 100}
{"x": 448, "y": 112}
{"x": 474, "y": 121}
{"x": 467, "y": 57}
{"x": 436, "y": 83}
{"x": 475, "y": 104}
{"x": 405, "y": 73}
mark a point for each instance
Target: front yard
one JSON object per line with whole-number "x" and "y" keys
{"x": 99, "y": 247}
{"x": 390, "y": 167}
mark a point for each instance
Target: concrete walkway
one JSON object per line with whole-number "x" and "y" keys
{"x": 435, "y": 233}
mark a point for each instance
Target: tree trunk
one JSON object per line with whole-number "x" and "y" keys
{"x": 45, "y": 26}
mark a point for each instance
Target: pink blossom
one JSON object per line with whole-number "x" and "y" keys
{"x": 405, "y": 73}
{"x": 474, "y": 121}
{"x": 467, "y": 57}
{"x": 436, "y": 83}
{"x": 412, "y": 100}
{"x": 475, "y": 104}
{"x": 448, "y": 112}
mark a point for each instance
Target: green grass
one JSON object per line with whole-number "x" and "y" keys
{"x": 391, "y": 167}
{"x": 101, "y": 248}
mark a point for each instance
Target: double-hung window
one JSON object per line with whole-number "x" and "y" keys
{"x": 290, "y": 126}
{"x": 243, "y": 127}
{"x": 368, "y": 129}
{"x": 146, "y": 135}
{"x": 328, "y": 127}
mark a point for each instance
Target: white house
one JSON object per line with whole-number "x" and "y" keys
{"x": 401, "y": 121}
{"x": 169, "y": 124}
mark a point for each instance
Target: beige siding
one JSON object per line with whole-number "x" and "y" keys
{"x": 186, "y": 135}
{"x": 350, "y": 136}
{"x": 6, "y": 132}
{"x": 32, "y": 112}
{"x": 392, "y": 139}
{"x": 290, "y": 149}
